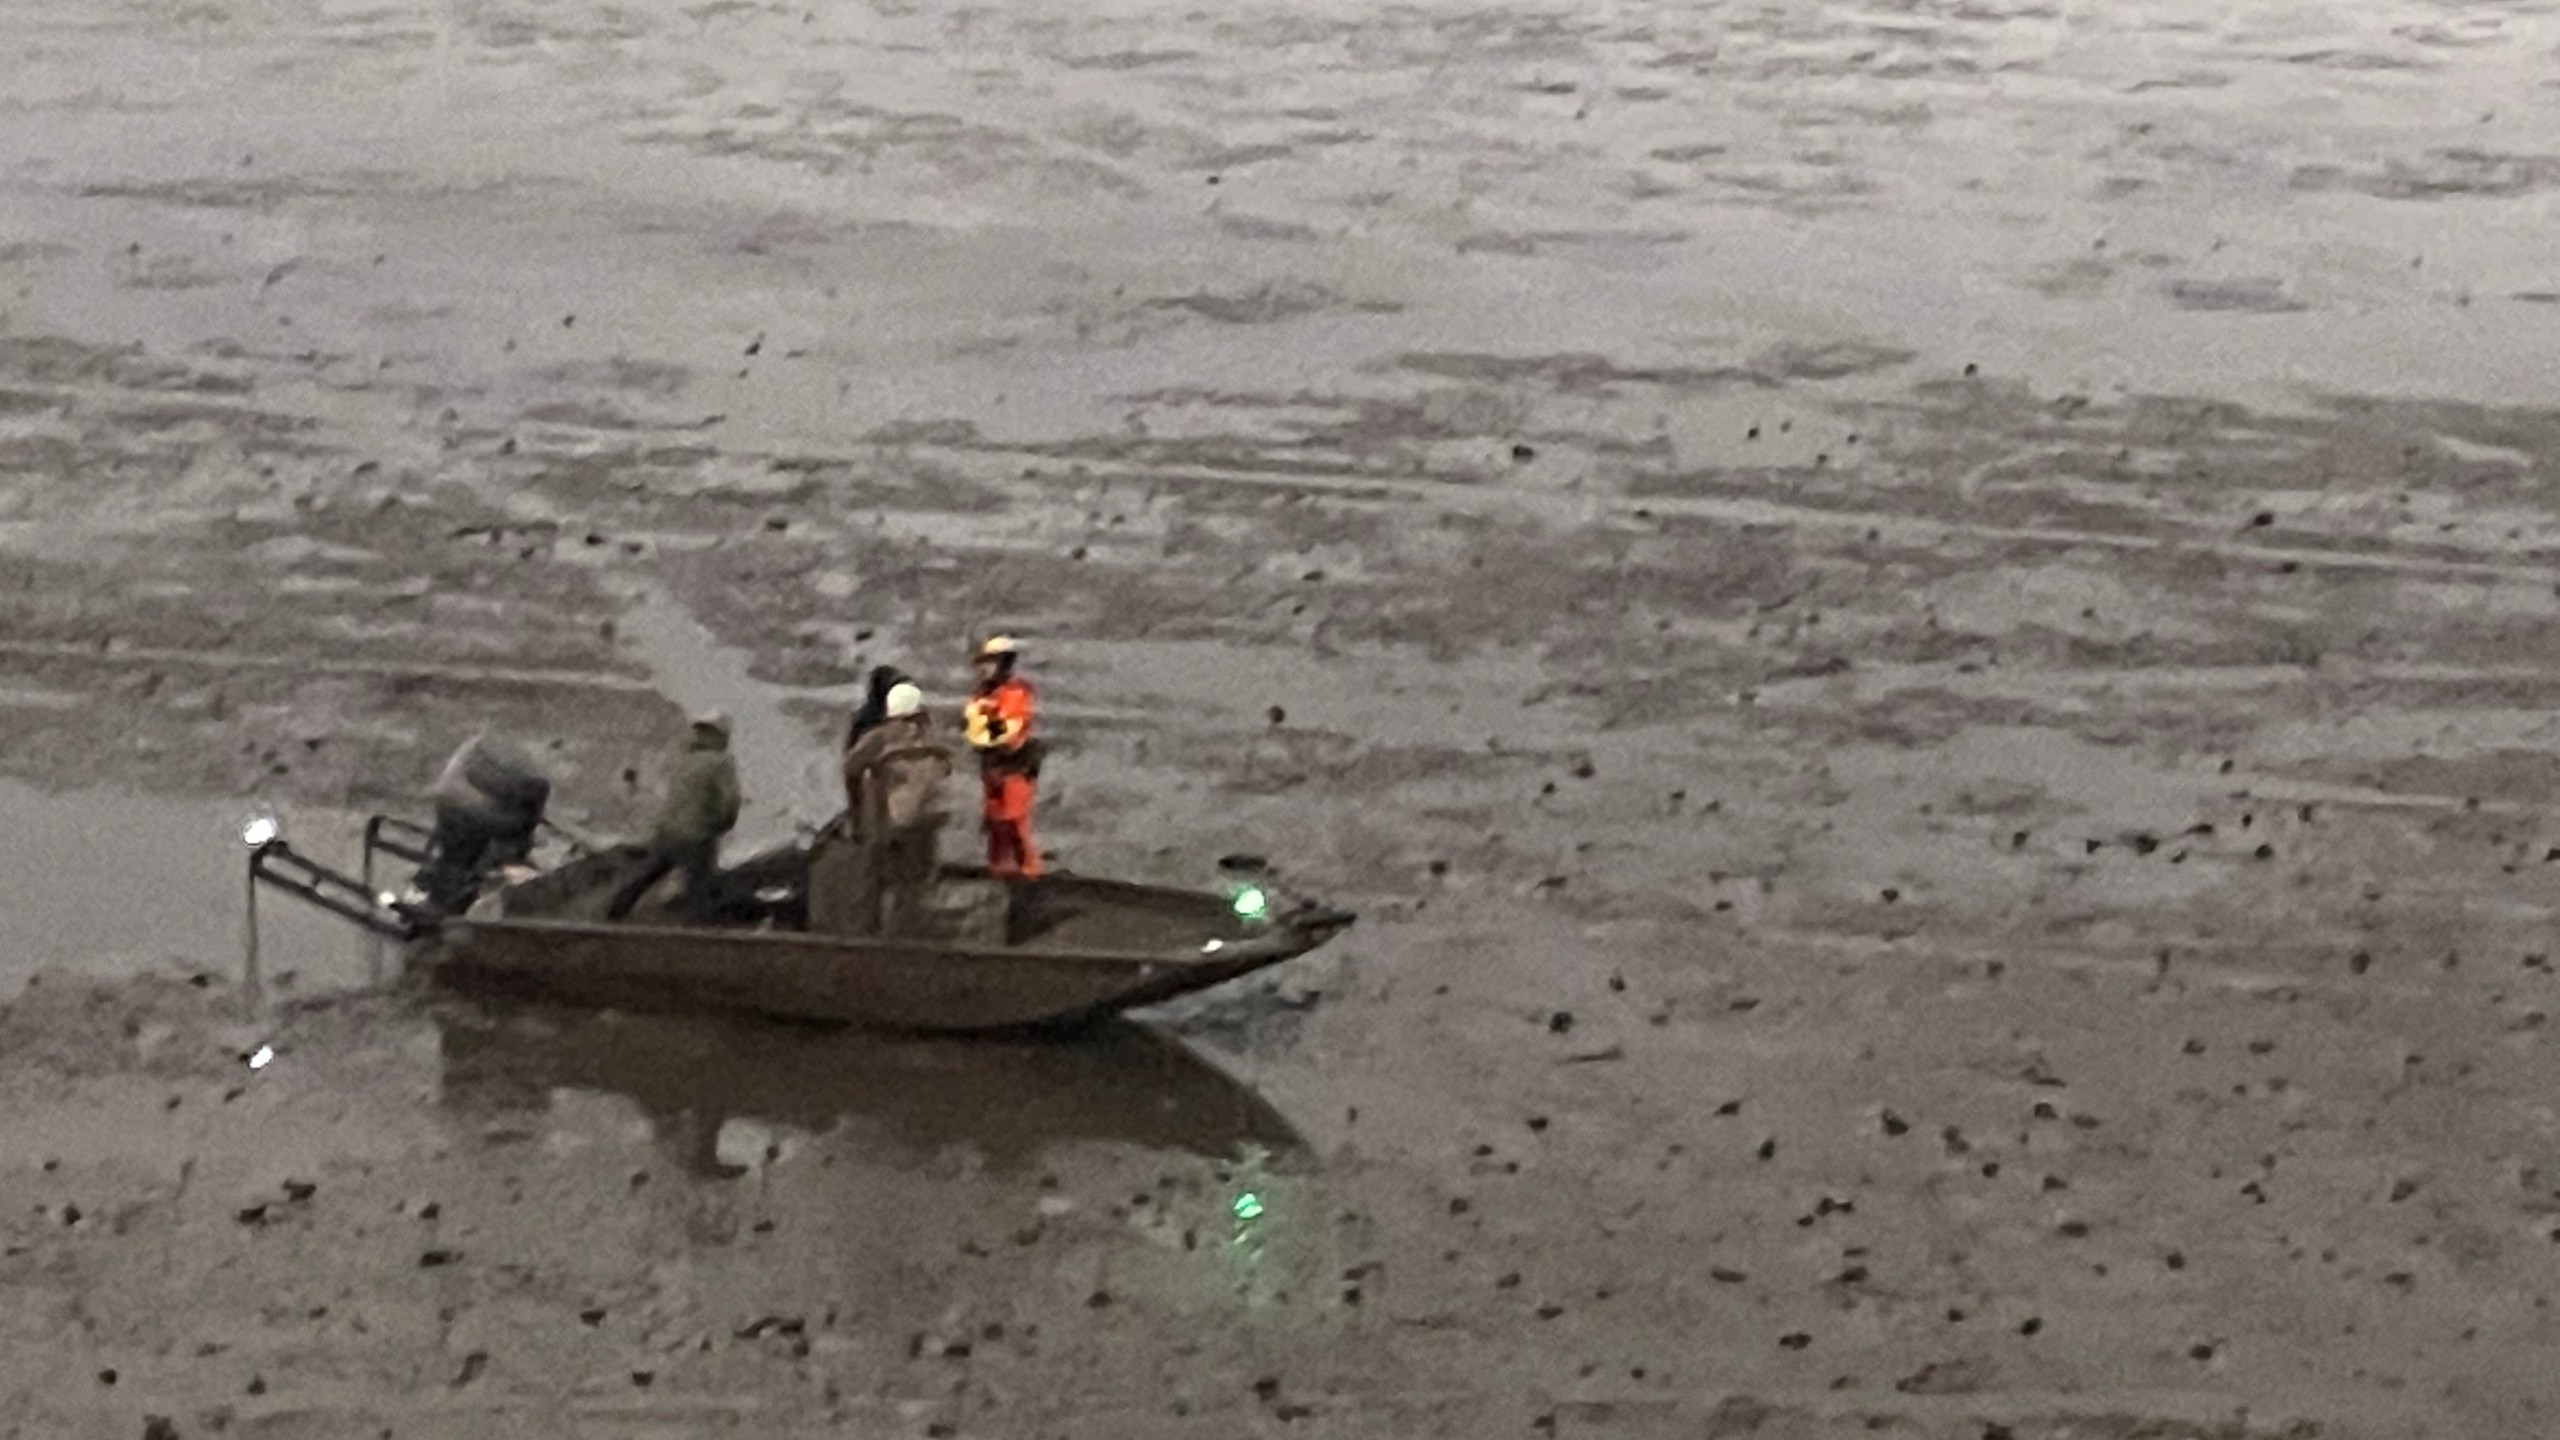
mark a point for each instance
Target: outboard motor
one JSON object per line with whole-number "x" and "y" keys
{"x": 489, "y": 802}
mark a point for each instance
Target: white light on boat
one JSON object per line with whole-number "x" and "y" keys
{"x": 1213, "y": 947}
{"x": 260, "y": 829}
{"x": 261, "y": 1057}
{"x": 388, "y": 900}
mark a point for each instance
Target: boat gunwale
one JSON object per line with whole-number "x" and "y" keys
{"x": 458, "y": 932}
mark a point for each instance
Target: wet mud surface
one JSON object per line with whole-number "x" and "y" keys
{"x": 1924, "y": 634}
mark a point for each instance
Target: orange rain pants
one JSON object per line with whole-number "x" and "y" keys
{"x": 1011, "y": 854}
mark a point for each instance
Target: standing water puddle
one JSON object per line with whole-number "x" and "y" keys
{"x": 112, "y": 884}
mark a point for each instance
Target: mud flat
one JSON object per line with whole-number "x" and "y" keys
{"x": 1925, "y": 634}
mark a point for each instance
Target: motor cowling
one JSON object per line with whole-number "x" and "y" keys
{"x": 496, "y": 782}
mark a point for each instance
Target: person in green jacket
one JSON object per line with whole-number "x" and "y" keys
{"x": 701, "y": 808}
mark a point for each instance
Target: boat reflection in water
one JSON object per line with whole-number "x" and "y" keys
{"x": 1119, "y": 1083}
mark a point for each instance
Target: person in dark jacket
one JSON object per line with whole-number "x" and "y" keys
{"x": 875, "y": 706}
{"x": 489, "y": 800}
{"x": 701, "y": 808}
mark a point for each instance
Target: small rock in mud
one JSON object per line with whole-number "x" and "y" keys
{"x": 1959, "y": 1377}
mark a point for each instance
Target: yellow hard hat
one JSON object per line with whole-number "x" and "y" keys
{"x": 995, "y": 645}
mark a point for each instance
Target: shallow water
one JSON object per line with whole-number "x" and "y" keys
{"x": 706, "y": 1085}
{"x": 111, "y": 883}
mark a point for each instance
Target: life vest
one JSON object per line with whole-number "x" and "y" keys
{"x": 998, "y": 721}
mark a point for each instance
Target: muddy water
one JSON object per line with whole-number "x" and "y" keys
{"x": 110, "y": 883}
{"x": 1917, "y": 629}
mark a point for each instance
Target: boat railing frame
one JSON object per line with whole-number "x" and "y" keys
{"x": 358, "y": 898}
{"x": 392, "y": 835}
{"x": 278, "y": 865}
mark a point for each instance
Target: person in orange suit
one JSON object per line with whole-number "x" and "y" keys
{"x": 998, "y": 723}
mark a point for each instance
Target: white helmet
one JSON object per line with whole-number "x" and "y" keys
{"x": 904, "y": 700}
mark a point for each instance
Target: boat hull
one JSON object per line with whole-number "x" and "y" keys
{"x": 1099, "y": 947}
